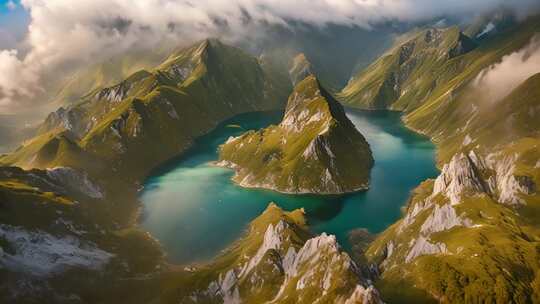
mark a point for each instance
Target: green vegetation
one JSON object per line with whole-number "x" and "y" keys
{"x": 277, "y": 259}
{"x": 116, "y": 135}
{"x": 315, "y": 149}
{"x": 471, "y": 236}
{"x": 401, "y": 79}
{"x": 154, "y": 115}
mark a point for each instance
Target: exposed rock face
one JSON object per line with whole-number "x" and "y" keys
{"x": 422, "y": 246}
{"x": 40, "y": 253}
{"x": 461, "y": 175}
{"x": 470, "y": 174}
{"x": 403, "y": 78}
{"x": 75, "y": 181}
{"x": 315, "y": 148}
{"x": 451, "y": 223}
{"x": 286, "y": 264}
{"x": 441, "y": 219}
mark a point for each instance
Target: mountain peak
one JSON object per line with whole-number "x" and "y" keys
{"x": 400, "y": 79}
{"x": 315, "y": 148}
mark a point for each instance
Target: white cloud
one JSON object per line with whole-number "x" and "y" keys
{"x": 65, "y": 34}
{"x": 17, "y": 80}
{"x": 11, "y": 5}
{"x": 498, "y": 80}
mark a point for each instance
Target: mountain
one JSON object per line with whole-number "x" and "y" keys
{"x": 471, "y": 234}
{"x": 490, "y": 24}
{"x": 277, "y": 260}
{"x": 315, "y": 148}
{"x": 57, "y": 240}
{"x": 154, "y": 115}
{"x": 109, "y": 140}
{"x": 106, "y": 74}
{"x": 403, "y": 78}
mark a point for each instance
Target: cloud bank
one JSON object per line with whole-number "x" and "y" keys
{"x": 498, "y": 80}
{"x": 64, "y": 35}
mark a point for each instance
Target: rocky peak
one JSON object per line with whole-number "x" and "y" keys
{"x": 469, "y": 174}
{"x": 321, "y": 150}
{"x": 301, "y": 267}
{"x": 461, "y": 175}
{"x": 463, "y": 45}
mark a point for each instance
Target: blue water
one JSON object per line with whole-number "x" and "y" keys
{"x": 195, "y": 210}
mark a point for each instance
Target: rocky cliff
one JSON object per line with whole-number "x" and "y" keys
{"x": 277, "y": 261}
{"x": 315, "y": 148}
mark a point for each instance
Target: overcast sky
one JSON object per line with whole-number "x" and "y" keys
{"x": 40, "y": 38}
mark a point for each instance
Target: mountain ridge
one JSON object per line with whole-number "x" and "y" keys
{"x": 315, "y": 148}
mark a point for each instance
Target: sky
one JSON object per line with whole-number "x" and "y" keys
{"x": 14, "y": 20}
{"x": 49, "y": 39}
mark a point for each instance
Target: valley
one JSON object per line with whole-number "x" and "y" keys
{"x": 189, "y": 203}
{"x": 216, "y": 175}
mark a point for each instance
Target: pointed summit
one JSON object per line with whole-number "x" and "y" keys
{"x": 402, "y": 78}
{"x": 315, "y": 148}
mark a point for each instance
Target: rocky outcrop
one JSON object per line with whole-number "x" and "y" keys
{"x": 461, "y": 175}
{"x": 286, "y": 263}
{"x": 42, "y": 254}
{"x": 422, "y": 246}
{"x": 469, "y": 174}
{"x": 315, "y": 148}
{"x": 75, "y": 181}
{"x": 443, "y": 218}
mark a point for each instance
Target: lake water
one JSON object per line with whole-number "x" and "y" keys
{"x": 195, "y": 210}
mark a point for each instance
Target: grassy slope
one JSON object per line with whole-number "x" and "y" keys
{"x": 159, "y": 113}
{"x": 496, "y": 260}
{"x": 30, "y": 200}
{"x": 405, "y": 76}
{"x": 275, "y": 157}
{"x": 117, "y": 140}
{"x": 265, "y": 280}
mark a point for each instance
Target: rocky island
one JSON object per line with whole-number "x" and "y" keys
{"x": 315, "y": 148}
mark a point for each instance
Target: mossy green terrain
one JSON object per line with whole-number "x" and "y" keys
{"x": 54, "y": 229}
{"x": 406, "y": 75}
{"x": 113, "y": 137}
{"x": 315, "y": 149}
{"x": 154, "y": 115}
{"x": 471, "y": 235}
{"x": 277, "y": 260}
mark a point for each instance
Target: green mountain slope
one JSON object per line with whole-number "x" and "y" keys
{"x": 278, "y": 260}
{"x": 315, "y": 148}
{"x": 472, "y": 234}
{"x": 115, "y": 136}
{"x": 401, "y": 79}
{"x": 154, "y": 115}
{"x": 56, "y": 236}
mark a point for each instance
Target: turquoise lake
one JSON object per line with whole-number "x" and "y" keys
{"x": 195, "y": 210}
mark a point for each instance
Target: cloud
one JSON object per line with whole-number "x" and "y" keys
{"x": 64, "y": 35}
{"x": 498, "y": 80}
{"x": 17, "y": 80}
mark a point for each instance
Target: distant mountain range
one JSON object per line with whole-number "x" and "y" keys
{"x": 69, "y": 194}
